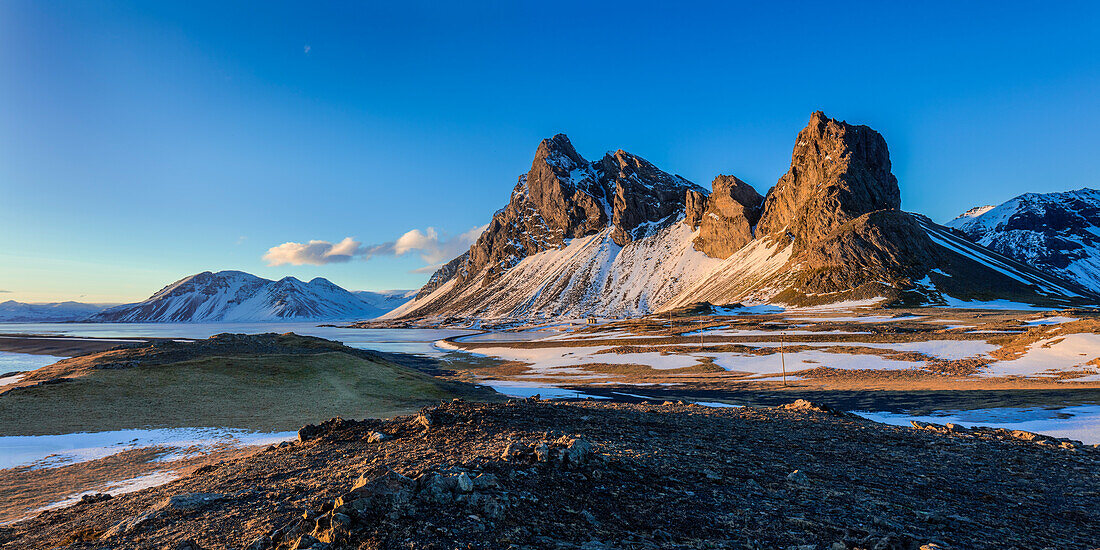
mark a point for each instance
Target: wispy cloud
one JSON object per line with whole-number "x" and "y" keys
{"x": 432, "y": 247}
{"x": 5, "y": 292}
{"x": 241, "y": 239}
{"x": 306, "y": 48}
{"x": 427, "y": 269}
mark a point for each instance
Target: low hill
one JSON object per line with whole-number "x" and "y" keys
{"x": 263, "y": 382}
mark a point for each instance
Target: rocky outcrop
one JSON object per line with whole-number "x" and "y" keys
{"x": 695, "y": 206}
{"x": 830, "y": 230}
{"x": 559, "y": 198}
{"x": 563, "y": 196}
{"x": 879, "y": 254}
{"x": 645, "y": 198}
{"x": 601, "y": 475}
{"x": 732, "y": 211}
{"x": 838, "y": 172}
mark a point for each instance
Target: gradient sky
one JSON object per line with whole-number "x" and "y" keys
{"x": 142, "y": 142}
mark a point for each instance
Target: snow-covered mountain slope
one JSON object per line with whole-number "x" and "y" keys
{"x": 385, "y": 300}
{"x": 831, "y": 230}
{"x": 589, "y": 275}
{"x": 968, "y": 271}
{"x": 241, "y": 297}
{"x": 20, "y": 312}
{"x": 1056, "y": 232}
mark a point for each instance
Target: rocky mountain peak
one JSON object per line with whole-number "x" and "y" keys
{"x": 838, "y": 172}
{"x": 563, "y": 190}
{"x": 563, "y": 196}
{"x": 558, "y": 154}
{"x": 645, "y": 198}
{"x": 731, "y": 212}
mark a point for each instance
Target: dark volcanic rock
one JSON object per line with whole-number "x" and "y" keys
{"x": 564, "y": 196}
{"x": 732, "y": 210}
{"x": 535, "y": 474}
{"x": 645, "y": 198}
{"x": 838, "y": 173}
{"x": 874, "y": 255}
{"x": 560, "y": 197}
{"x": 695, "y": 205}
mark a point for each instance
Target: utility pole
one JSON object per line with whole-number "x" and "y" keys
{"x": 783, "y": 357}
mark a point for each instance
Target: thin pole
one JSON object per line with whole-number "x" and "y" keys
{"x": 783, "y": 357}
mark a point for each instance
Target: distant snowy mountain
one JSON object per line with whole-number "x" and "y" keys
{"x": 19, "y": 312}
{"x": 385, "y": 300}
{"x": 1056, "y": 232}
{"x": 241, "y": 297}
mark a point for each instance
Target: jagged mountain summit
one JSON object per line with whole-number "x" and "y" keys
{"x": 1056, "y": 232}
{"x": 242, "y": 297}
{"x": 619, "y": 237}
{"x": 54, "y": 312}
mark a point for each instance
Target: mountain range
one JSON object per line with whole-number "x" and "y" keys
{"x": 20, "y": 312}
{"x": 620, "y": 237}
{"x": 223, "y": 296}
{"x": 1056, "y": 232}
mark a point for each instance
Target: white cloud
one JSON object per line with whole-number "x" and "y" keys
{"x": 427, "y": 269}
{"x": 307, "y": 48}
{"x": 428, "y": 244}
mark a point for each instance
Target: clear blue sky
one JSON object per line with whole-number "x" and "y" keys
{"x": 142, "y": 142}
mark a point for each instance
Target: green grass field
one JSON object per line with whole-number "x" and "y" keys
{"x": 262, "y": 392}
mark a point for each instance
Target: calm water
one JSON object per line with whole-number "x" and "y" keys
{"x": 383, "y": 339}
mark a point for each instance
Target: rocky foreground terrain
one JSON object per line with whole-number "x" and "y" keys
{"x": 594, "y": 475}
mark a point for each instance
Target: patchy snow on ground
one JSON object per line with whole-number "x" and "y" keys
{"x": 115, "y": 488}
{"x": 1056, "y": 320}
{"x": 1051, "y": 355}
{"x": 48, "y": 451}
{"x": 949, "y": 350}
{"x": 802, "y": 360}
{"x": 557, "y": 360}
{"x": 1081, "y": 422}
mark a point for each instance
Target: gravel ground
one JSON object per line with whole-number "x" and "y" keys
{"x": 591, "y": 475}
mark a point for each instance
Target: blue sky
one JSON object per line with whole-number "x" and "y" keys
{"x": 142, "y": 142}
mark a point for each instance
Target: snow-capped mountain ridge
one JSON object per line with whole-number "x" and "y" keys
{"x": 54, "y": 312}
{"x": 243, "y": 297}
{"x": 1056, "y": 232}
{"x": 619, "y": 237}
